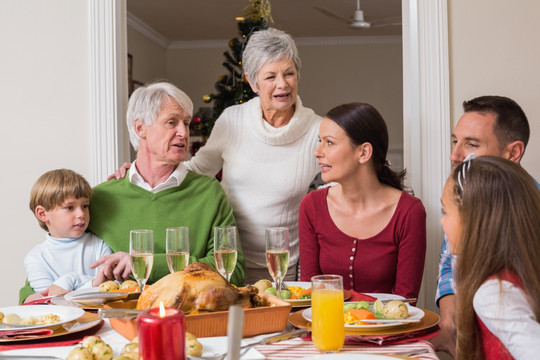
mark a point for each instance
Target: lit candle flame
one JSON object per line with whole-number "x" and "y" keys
{"x": 162, "y": 312}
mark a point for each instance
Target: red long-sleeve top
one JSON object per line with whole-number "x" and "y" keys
{"x": 390, "y": 262}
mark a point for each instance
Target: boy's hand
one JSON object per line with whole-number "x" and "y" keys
{"x": 56, "y": 290}
{"x": 36, "y": 296}
{"x": 115, "y": 266}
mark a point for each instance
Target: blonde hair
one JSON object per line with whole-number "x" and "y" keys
{"x": 499, "y": 205}
{"x": 52, "y": 188}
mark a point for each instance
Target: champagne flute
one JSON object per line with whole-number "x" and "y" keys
{"x": 277, "y": 253}
{"x": 177, "y": 242}
{"x": 225, "y": 250}
{"x": 141, "y": 252}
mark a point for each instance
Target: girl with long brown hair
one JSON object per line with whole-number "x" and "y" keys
{"x": 491, "y": 216}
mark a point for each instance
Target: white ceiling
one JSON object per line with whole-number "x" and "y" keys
{"x": 188, "y": 20}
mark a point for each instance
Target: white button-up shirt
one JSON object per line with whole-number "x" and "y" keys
{"x": 175, "y": 179}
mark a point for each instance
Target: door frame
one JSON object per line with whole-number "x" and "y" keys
{"x": 426, "y": 109}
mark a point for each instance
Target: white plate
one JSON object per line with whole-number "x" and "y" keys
{"x": 414, "y": 314}
{"x": 64, "y": 300}
{"x": 298, "y": 302}
{"x": 344, "y": 356}
{"x": 66, "y": 313}
{"x": 71, "y": 294}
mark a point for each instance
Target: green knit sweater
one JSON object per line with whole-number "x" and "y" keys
{"x": 199, "y": 202}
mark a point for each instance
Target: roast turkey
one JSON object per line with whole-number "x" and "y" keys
{"x": 198, "y": 287}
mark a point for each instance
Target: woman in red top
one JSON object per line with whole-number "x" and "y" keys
{"x": 491, "y": 216}
{"x": 365, "y": 227}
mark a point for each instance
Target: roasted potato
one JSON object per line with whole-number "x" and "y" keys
{"x": 80, "y": 353}
{"x": 128, "y": 284}
{"x": 193, "y": 346}
{"x": 90, "y": 341}
{"x": 108, "y": 286}
{"x": 130, "y": 348}
{"x": 263, "y": 284}
{"x": 11, "y": 319}
{"x": 102, "y": 351}
{"x": 395, "y": 309}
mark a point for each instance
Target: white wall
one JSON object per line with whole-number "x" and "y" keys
{"x": 45, "y": 115}
{"x": 148, "y": 57}
{"x": 494, "y": 49}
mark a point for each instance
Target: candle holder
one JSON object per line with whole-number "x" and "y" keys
{"x": 162, "y": 334}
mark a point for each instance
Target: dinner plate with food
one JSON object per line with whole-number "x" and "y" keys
{"x": 296, "y": 293}
{"x": 385, "y": 312}
{"x": 37, "y": 316}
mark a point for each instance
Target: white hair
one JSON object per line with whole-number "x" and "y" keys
{"x": 266, "y": 46}
{"x": 145, "y": 103}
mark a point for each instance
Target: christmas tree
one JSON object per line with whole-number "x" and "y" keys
{"x": 233, "y": 88}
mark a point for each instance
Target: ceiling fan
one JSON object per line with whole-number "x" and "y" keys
{"x": 357, "y": 21}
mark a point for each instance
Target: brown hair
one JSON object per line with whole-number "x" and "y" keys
{"x": 511, "y": 123}
{"x": 52, "y": 188}
{"x": 499, "y": 206}
{"x": 363, "y": 123}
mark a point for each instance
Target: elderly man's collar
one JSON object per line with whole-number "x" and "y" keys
{"x": 175, "y": 179}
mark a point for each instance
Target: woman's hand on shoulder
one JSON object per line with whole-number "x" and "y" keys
{"x": 120, "y": 173}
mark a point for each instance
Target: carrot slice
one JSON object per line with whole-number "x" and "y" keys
{"x": 361, "y": 314}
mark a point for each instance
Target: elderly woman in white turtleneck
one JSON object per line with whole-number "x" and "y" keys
{"x": 265, "y": 148}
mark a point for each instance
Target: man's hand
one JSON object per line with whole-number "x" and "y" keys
{"x": 114, "y": 267}
{"x": 120, "y": 173}
{"x": 445, "y": 340}
{"x": 100, "y": 277}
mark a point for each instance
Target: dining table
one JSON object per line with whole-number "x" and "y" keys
{"x": 404, "y": 344}
{"x": 288, "y": 349}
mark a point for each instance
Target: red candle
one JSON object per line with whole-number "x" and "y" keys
{"x": 162, "y": 334}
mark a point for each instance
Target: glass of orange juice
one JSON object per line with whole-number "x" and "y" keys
{"x": 327, "y": 322}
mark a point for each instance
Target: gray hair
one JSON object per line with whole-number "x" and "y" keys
{"x": 266, "y": 46}
{"x": 145, "y": 103}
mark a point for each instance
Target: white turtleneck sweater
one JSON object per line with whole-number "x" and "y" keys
{"x": 64, "y": 262}
{"x": 266, "y": 173}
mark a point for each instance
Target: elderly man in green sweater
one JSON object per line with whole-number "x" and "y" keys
{"x": 159, "y": 191}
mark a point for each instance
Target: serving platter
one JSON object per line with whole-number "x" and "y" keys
{"x": 66, "y": 314}
{"x": 307, "y": 302}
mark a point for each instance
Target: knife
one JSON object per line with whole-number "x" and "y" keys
{"x": 118, "y": 313}
{"x": 100, "y": 298}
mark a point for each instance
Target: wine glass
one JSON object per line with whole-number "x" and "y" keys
{"x": 277, "y": 253}
{"x": 177, "y": 240}
{"x": 141, "y": 252}
{"x": 225, "y": 250}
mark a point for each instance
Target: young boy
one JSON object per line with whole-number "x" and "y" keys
{"x": 60, "y": 201}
